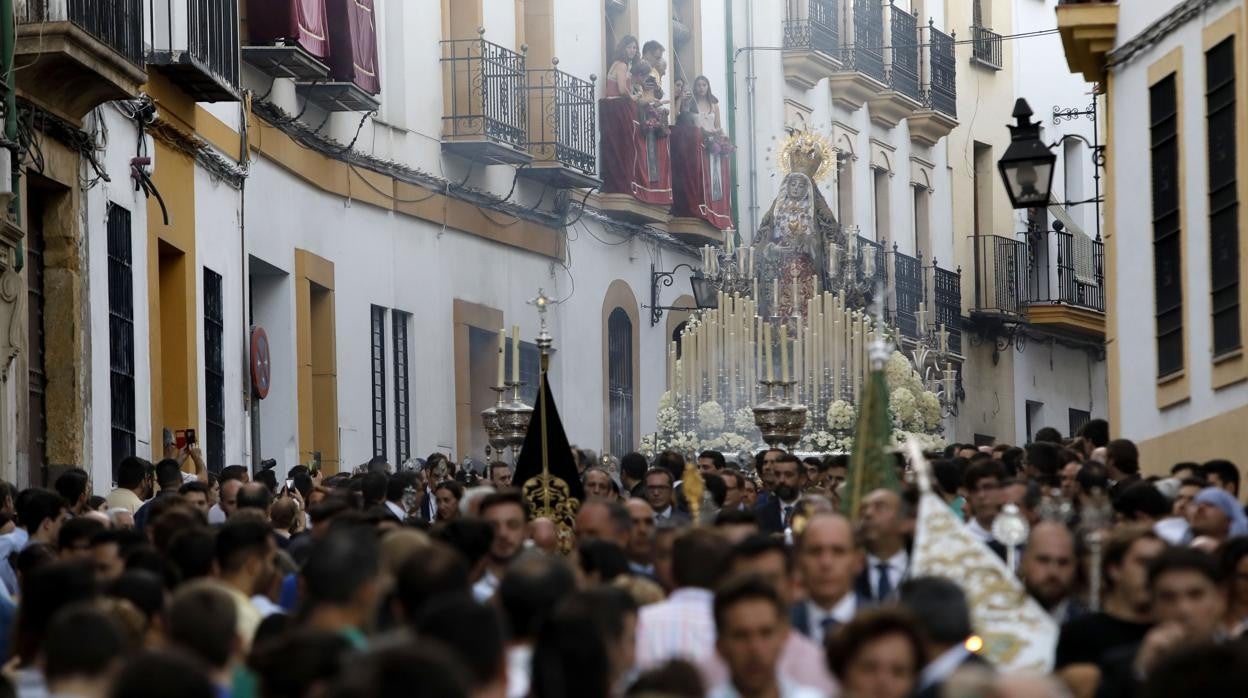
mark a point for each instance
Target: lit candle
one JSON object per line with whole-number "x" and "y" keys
{"x": 784, "y": 352}
{"x": 502, "y": 360}
{"x": 750, "y": 266}
{"x": 944, "y": 339}
{"x": 515, "y": 353}
{"x": 756, "y": 290}
{"x": 771, "y": 377}
{"x": 775, "y": 296}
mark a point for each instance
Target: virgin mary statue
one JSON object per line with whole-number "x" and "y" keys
{"x": 793, "y": 237}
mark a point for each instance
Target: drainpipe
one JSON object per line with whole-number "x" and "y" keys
{"x": 751, "y": 79}
{"x": 731, "y": 62}
{"x": 8, "y": 45}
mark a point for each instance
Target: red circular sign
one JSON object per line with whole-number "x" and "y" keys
{"x": 261, "y": 368}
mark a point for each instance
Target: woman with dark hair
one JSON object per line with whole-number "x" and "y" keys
{"x": 619, "y": 75}
{"x": 879, "y": 654}
{"x": 448, "y": 494}
{"x": 706, "y": 106}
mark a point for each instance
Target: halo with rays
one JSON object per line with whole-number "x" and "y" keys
{"x": 801, "y": 142}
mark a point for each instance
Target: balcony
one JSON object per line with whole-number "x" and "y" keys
{"x": 907, "y": 292}
{"x": 701, "y": 185}
{"x": 1089, "y": 30}
{"x": 563, "y": 132}
{"x": 1053, "y": 280}
{"x": 939, "y": 114}
{"x": 196, "y": 44}
{"x": 944, "y": 293}
{"x": 986, "y": 48}
{"x": 485, "y": 92}
{"x": 288, "y": 38}
{"x": 902, "y": 97}
{"x": 862, "y": 73}
{"x": 811, "y": 42}
{"x": 73, "y": 55}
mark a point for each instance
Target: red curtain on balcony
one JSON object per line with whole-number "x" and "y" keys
{"x": 635, "y": 161}
{"x": 353, "y": 43}
{"x": 301, "y": 21}
{"x": 701, "y": 177}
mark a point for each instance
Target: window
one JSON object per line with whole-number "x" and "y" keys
{"x": 922, "y": 223}
{"x": 1223, "y": 197}
{"x": 1078, "y": 418}
{"x": 379, "y": 380}
{"x": 620, "y": 380}
{"x": 120, "y": 332}
{"x": 1035, "y": 418}
{"x": 844, "y": 189}
{"x": 402, "y": 380}
{"x": 214, "y": 371}
{"x": 1167, "y": 251}
{"x": 880, "y": 186}
{"x": 36, "y": 413}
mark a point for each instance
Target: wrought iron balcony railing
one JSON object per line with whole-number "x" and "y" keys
{"x": 486, "y": 85}
{"x": 1067, "y": 269}
{"x": 865, "y": 53}
{"x": 116, "y": 23}
{"x": 903, "y": 68}
{"x": 817, "y": 28}
{"x": 1080, "y": 272}
{"x": 907, "y": 292}
{"x": 945, "y": 297}
{"x": 941, "y": 91}
{"x": 198, "y": 41}
{"x": 565, "y": 129}
{"x": 986, "y": 47}
{"x": 998, "y": 277}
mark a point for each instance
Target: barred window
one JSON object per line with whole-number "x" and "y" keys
{"x": 214, "y": 371}
{"x": 120, "y": 333}
{"x": 1167, "y": 251}
{"x": 379, "y": 380}
{"x": 620, "y": 381}
{"x": 402, "y": 386}
{"x": 1223, "y": 196}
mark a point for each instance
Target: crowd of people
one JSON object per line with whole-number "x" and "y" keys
{"x": 440, "y": 581}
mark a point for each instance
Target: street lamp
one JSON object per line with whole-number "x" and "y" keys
{"x": 705, "y": 293}
{"x": 1028, "y": 164}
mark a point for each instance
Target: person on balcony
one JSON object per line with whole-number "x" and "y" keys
{"x": 705, "y": 106}
{"x": 620, "y": 75}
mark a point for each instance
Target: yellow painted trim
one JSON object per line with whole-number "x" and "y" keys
{"x": 173, "y": 290}
{"x": 316, "y": 352}
{"x": 1176, "y": 388}
{"x": 465, "y": 314}
{"x": 620, "y": 295}
{"x": 1216, "y": 437}
{"x": 1233, "y": 368}
{"x": 535, "y": 27}
{"x": 1068, "y": 316}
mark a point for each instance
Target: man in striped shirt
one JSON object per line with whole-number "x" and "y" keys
{"x": 683, "y": 626}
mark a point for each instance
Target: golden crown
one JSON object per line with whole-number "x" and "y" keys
{"x": 807, "y": 153}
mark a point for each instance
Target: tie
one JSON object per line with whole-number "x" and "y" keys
{"x": 886, "y": 585}
{"x": 788, "y": 514}
{"x": 829, "y": 626}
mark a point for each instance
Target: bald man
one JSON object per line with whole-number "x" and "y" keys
{"x": 828, "y": 560}
{"x": 1049, "y": 568}
{"x": 544, "y": 535}
{"x": 604, "y": 520}
{"x": 886, "y": 522}
{"x": 640, "y": 547}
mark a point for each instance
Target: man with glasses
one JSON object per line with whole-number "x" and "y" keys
{"x": 658, "y": 492}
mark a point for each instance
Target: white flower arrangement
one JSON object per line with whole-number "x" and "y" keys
{"x": 667, "y": 400}
{"x": 668, "y": 420}
{"x": 649, "y": 445}
{"x": 930, "y": 410}
{"x": 711, "y": 417}
{"x": 925, "y": 442}
{"x": 743, "y": 421}
{"x": 841, "y": 416}
{"x": 903, "y": 406}
{"x": 728, "y": 442}
{"x": 826, "y": 442}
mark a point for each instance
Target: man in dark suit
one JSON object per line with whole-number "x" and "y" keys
{"x": 775, "y": 514}
{"x": 659, "y": 495}
{"x": 828, "y": 559}
{"x": 941, "y": 610}
{"x": 1048, "y": 569}
{"x": 885, "y": 524}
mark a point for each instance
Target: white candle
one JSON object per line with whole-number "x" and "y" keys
{"x": 775, "y": 296}
{"x": 502, "y": 354}
{"x": 771, "y": 377}
{"x": 515, "y": 353}
{"x": 784, "y": 352}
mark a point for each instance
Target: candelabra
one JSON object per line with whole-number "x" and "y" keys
{"x": 729, "y": 269}
{"x": 514, "y": 417}
{"x": 779, "y": 420}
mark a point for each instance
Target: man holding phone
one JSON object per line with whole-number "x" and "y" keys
{"x": 182, "y": 446}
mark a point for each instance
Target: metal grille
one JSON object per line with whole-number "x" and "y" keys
{"x": 212, "y": 36}
{"x": 1167, "y": 252}
{"x": 1003, "y": 263}
{"x": 941, "y": 92}
{"x": 117, "y": 23}
{"x": 566, "y": 129}
{"x": 379, "y": 380}
{"x": 816, "y": 30}
{"x": 487, "y": 90}
{"x": 1070, "y": 289}
{"x": 120, "y": 333}
{"x": 1223, "y": 197}
{"x": 986, "y": 47}
{"x": 402, "y": 379}
{"x": 947, "y": 301}
{"x": 903, "y": 70}
{"x": 908, "y": 291}
{"x": 866, "y": 54}
{"x": 36, "y": 414}
{"x": 214, "y": 370}
{"x": 620, "y": 380}
{"x": 1078, "y": 418}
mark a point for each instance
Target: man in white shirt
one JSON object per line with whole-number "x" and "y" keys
{"x": 983, "y": 493}
{"x": 885, "y": 522}
{"x": 828, "y": 560}
{"x": 683, "y": 626}
{"x": 751, "y": 633}
{"x": 508, "y": 515}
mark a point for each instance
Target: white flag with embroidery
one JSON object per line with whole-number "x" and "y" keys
{"x": 1018, "y": 634}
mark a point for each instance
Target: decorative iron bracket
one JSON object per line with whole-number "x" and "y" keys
{"x": 666, "y": 279}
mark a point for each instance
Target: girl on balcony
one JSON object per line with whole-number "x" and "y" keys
{"x": 706, "y": 105}
{"x": 620, "y": 75}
